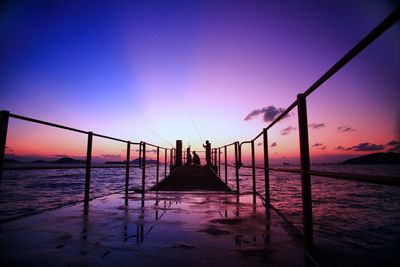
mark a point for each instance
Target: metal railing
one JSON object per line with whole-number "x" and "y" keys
{"x": 4, "y": 121}
{"x": 305, "y": 169}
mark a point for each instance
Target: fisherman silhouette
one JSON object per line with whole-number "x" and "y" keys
{"x": 189, "y": 159}
{"x": 207, "y": 146}
{"x": 196, "y": 159}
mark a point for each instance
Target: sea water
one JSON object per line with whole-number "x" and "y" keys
{"x": 355, "y": 217}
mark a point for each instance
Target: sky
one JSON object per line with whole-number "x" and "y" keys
{"x": 158, "y": 71}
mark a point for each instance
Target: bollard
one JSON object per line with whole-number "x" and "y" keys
{"x": 178, "y": 153}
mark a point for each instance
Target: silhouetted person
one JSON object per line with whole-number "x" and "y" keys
{"x": 189, "y": 159}
{"x": 207, "y": 146}
{"x": 196, "y": 159}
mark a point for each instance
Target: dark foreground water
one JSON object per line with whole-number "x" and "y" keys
{"x": 353, "y": 222}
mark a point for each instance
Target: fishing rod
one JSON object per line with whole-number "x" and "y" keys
{"x": 194, "y": 124}
{"x": 156, "y": 134}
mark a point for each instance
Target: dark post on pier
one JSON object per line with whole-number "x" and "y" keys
{"x": 178, "y": 152}
{"x": 128, "y": 153}
{"x": 305, "y": 176}
{"x": 4, "y": 116}
{"x": 88, "y": 167}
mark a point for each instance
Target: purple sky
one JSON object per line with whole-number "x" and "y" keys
{"x": 142, "y": 70}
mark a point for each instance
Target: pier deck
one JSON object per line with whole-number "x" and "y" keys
{"x": 158, "y": 229}
{"x": 192, "y": 178}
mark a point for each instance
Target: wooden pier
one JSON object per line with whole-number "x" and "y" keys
{"x": 192, "y": 178}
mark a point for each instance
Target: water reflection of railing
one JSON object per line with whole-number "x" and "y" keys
{"x": 305, "y": 169}
{"x": 4, "y": 121}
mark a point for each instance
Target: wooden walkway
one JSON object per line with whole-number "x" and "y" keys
{"x": 191, "y": 178}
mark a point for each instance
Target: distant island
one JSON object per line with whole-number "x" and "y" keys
{"x": 11, "y": 161}
{"x": 67, "y": 160}
{"x": 135, "y": 161}
{"x": 64, "y": 160}
{"x": 375, "y": 158}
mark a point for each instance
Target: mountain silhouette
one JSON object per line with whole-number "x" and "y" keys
{"x": 375, "y": 158}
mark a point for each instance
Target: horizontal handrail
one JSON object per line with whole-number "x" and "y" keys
{"x": 155, "y": 146}
{"x": 111, "y": 138}
{"x": 47, "y": 123}
{"x": 368, "y": 178}
{"x": 228, "y": 145}
{"x": 360, "y": 46}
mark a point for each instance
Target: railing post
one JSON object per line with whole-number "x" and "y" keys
{"x": 4, "y": 118}
{"x": 165, "y": 163}
{"x": 237, "y": 166}
{"x": 128, "y": 158}
{"x": 253, "y": 170}
{"x": 266, "y": 167}
{"x": 140, "y": 155}
{"x": 143, "y": 167}
{"x": 305, "y": 176}
{"x": 158, "y": 165}
{"x": 88, "y": 168}
{"x": 219, "y": 163}
{"x": 215, "y": 157}
{"x": 226, "y": 165}
{"x": 170, "y": 159}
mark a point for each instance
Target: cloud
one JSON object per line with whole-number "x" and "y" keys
{"x": 9, "y": 149}
{"x": 345, "y": 128}
{"x": 272, "y": 145}
{"x": 393, "y": 143}
{"x": 319, "y": 146}
{"x": 362, "y": 147}
{"x": 287, "y": 130}
{"x": 316, "y": 125}
{"x": 342, "y": 148}
{"x": 394, "y": 146}
{"x": 367, "y": 147}
{"x": 395, "y": 149}
{"x": 269, "y": 113}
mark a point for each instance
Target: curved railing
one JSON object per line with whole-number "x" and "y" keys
{"x": 305, "y": 169}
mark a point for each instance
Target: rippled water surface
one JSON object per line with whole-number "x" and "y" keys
{"x": 348, "y": 216}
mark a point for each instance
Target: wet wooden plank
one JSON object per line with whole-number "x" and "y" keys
{"x": 192, "y": 178}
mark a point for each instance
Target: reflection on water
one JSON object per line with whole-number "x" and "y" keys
{"x": 30, "y": 191}
{"x": 351, "y": 216}
{"x": 198, "y": 229}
